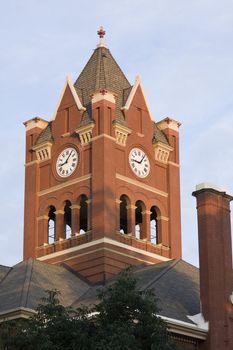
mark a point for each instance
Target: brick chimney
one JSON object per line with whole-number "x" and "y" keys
{"x": 215, "y": 257}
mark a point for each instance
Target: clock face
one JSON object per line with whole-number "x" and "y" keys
{"x": 139, "y": 162}
{"x": 67, "y": 162}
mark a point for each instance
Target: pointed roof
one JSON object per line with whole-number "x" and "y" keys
{"x": 175, "y": 283}
{"x": 25, "y": 284}
{"x": 102, "y": 72}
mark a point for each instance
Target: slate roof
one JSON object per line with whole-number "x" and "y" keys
{"x": 4, "y": 271}
{"x": 159, "y": 136}
{"x": 26, "y": 282}
{"x": 102, "y": 72}
{"x": 46, "y": 135}
{"x": 175, "y": 282}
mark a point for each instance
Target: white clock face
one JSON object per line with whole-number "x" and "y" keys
{"x": 139, "y": 162}
{"x": 67, "y": 162}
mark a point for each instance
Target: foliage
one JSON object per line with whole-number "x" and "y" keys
{"x": 124, "y": 319}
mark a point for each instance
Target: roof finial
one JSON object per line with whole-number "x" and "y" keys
{"x": 101, "y": 33}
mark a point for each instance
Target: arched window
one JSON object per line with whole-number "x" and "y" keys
{"x": 154, "y": 226}
{"x": 83, "y": 214}
{"x": 138, "y": 219}
{"x": 67, "y": 219}
{"x": 51, "y": 224}
{"x": 123, "y": 214}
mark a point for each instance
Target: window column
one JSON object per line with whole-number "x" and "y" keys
{"x": 88, "y": 201}
{"x": 131, "y": 219}
{"x": 75, "y": 219}
{"x": 42, "y": 237}
{"x": 60, "y": 225}
{"x": 145, "y": 232}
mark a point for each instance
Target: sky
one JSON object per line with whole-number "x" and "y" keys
{"x": 181, "y": 49}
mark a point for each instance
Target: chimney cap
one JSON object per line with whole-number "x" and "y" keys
{"x": 208, "y": 186}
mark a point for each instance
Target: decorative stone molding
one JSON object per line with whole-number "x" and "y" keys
{"x": 36, "y": 122}
{"x": 43, "y": 151}
{"x": 85, "y": 133}
{"x": 162, "y": 152}
{"x": 57, "y": 212}
{"x": 121, "y": 133}
{"x": 168, "y": 123}
{"x": 103, "y": 94}
{"x": 75, "y": 206}
{"x": 43, "y": 217}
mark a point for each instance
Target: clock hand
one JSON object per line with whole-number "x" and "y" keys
{"x": 136, "y": 161}
{"x": 142, "y": 159}
{"x": 68, "y": 156}
{"x": 66, "y": 161}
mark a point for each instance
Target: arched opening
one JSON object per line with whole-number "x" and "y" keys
{"x": 154, "y": 237}
{"x": 67, "y": 219}
{"x": 124, "y": 226}
{"x": 139, "y": 219}
{"x": 51, "y": 224}
{"x": 83, "y": 214}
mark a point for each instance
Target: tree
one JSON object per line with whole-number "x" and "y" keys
{"x": 124, "y": 319}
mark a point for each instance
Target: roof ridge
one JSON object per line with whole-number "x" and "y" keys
{"x": 163, "y": 272}
{"x": 7, "y": 273}
{"x": 99, "y": 54}
{"x": 27, "y": 280}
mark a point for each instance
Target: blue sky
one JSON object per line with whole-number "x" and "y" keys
{"x": 183, "y": 52}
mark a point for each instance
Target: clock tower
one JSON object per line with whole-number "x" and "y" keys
{"x": 102, "y": 187}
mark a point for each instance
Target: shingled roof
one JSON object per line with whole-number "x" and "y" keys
{"x": 46, "y": 135}
{"x": 159, "y": 136}
{"x": 102, "y": 72}
{"x": 26, "y": 283}
{"x": 175, "y": 282}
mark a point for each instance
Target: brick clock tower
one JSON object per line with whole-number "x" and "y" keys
{"x": 102, "y": 187}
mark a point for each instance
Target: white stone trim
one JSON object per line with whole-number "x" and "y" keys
{"x": 105, "y": 95}
{"x": 35, "y": 123}
{"x": 85, "y": 133}
{"x": 173, "y": 163}
{"x": 199, "y": 320}
{"x": 165, "y": 218}
{"x": 121, "y": 133}
{"x": 31, "y": 163}
{"x": 21, "y": 312}
{"x": 103, "y": 135}
{"x": 99, "y": 241}
{"x": 141, "y": 185}
{"x": 209, "y": 185}
{"x": 68, "y": 82}
{"x": 185, "y": 328}
{"x": 132, "y": 93}
{"x": 43, "y": 151}
{"x": 168, "y": 123}
{"x": 65, "y": 184}
{"x": 162, "y": 152}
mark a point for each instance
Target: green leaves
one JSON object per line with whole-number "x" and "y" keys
{"x": 124, "y": 319}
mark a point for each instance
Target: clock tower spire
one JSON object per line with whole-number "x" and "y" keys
{"x": 102, "y": 178}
